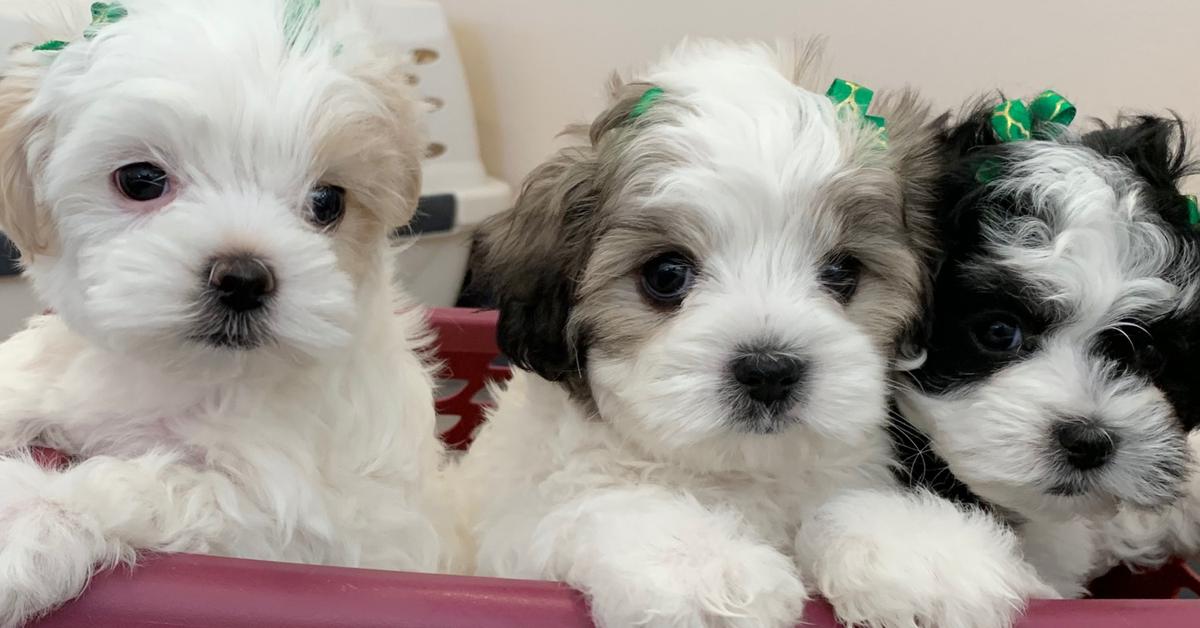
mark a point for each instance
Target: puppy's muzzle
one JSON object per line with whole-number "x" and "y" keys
{"x": 241, "y": 283}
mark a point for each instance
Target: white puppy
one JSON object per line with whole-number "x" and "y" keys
{"x": 203, "y": 192}
{"x": 708, "y": 292}
{"x": 1063, "y": 341}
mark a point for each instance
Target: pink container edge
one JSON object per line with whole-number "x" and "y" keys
{"x": 189, "y": 591}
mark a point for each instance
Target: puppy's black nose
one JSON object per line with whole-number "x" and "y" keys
{"x": 1087, "y": 445}
{"x": 768, "y": 377}
{"x": 241, "y": 282}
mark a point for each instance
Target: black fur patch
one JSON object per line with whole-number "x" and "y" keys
{"x": 920, "y": 467}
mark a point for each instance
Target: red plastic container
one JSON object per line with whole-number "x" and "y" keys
{"x": 187, "y": 591}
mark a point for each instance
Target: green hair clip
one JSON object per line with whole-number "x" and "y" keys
{"x": 103, "y": 14}
{"x": 1043, "y": 118}
{"x": 852, "y": 99}
{"x": 649, "y": 97}
{"x": 1193, "y": 215}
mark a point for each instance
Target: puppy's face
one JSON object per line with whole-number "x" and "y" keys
{"x": 1064, "y": 340}
{"x": 731, "y": 265}
{"x": 208, "y": 179}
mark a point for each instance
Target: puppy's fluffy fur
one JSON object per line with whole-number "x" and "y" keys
{"x": 630, "y": 462}
{"x": 1063, "y": 341}
{"x": 301, "y": 431}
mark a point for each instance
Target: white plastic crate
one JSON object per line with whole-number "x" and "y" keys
{"x": 457, "y": 194}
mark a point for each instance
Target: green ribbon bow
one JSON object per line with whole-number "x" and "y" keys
{"x": 1193, "y": 215}
{"x": 1014, "y": 121}
{"x": 103, "y": 13}
{"x": 649, "y": 97}
{"x": 852, "y": 99}
{"x": 1043, "y": 118}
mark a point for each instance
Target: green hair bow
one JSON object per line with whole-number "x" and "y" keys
{"x": 103, "y": 13}
{"x": 649, "y": 97}
{"x": 1193, "y": 215}
{"x": 1043, "y": 118}
{"x": 852, "y": 99}
{"x": 1013, "y": 121}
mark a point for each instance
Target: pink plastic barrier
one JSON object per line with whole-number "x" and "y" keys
{"x": 185, "y": 591}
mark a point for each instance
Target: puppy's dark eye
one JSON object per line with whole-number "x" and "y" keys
{"x": 668, "y": 278}
{"x": 840, "y": 276}
{"x": 142, "y": 181}
{"x": 326, "y": 205}
{"x": 1151, "y": 358}
{"x": 998, "y": 333}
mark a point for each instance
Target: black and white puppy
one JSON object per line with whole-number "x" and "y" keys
{"x": 1063, "y": 340}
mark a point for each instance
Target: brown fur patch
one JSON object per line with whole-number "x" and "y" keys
{"x": 26, "y": 224}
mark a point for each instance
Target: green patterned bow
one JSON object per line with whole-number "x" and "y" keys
{"x": 1043, "y": 118}
{"x": 103, "y": 13}
{"x": 852, "y": 99}
{"x": 1014, "y": 121}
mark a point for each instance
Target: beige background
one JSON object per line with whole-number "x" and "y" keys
{"x": 535, "y": 65}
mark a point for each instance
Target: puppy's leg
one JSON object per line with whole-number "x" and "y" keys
{"x": 57, "y": 527}
{"x": 28, "y": 368}
{"x": 901, "y": 560}
{"x": 650, "y": 557}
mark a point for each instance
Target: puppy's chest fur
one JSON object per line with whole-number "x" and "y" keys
{"x": 541, "y": 448}
{"x": 320, "y": 474}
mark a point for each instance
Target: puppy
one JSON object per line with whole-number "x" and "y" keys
{"x": 1063, "y": 334}
{"x": 203, "y": 192}
{"x": 704, "y": 295}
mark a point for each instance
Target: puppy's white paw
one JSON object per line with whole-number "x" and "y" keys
{"x": 47, "y": 555}
{"x": 886, "y": 560}
{"x": 740, "y": 585}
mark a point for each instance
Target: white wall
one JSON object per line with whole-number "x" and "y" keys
{"x": 536, "y": 65}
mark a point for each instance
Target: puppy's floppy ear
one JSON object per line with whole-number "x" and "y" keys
{"x": 404, "y": 135}
{"x": 21, "y": 219}
{"x": 1156, "y": 148}
{"x": 948, "y": 169}
{"x": 914, "y": 150}
{"x": 531, "y": 258}
{"x": 356, "y": 47}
